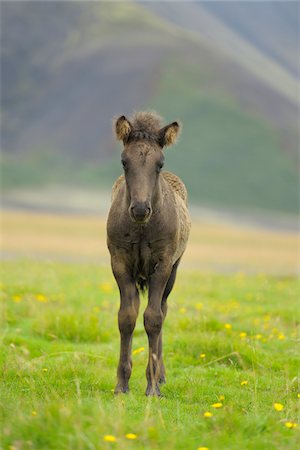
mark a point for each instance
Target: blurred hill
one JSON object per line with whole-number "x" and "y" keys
{"x": 228, "y": 71}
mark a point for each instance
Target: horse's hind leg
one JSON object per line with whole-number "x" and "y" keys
{"x": 127, "y": 315}
{"x": 153, "y": 320}
{"x": 164, "y": 308}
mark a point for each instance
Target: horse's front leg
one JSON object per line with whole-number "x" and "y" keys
{"x": 153, "y": 320}
{"x": 128, "y": 312}
{"x": 164, "y": 308}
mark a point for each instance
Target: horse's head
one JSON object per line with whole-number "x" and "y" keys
{"x": 142, "y": 158}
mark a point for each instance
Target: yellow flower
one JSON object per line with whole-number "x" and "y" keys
{"x": 41, "y": 298}
{"x": 281, "y": 336}
{"x": 217, "y": 405}
{"x": 106, "y": 287}
{"x": 207, "y": 414}
{"x": 203, "y": 355}
{"x": 199, "y": 306}
{"x": 243, "y": 334}
{"x": 202, "y": 448}
{"x": 290, "y": 424}
{"x": 96, "y": 309}
{"x": 278, "y": 406}
{"x": 109, "y": 438}
{"x": 222, "y": 397}
{"x": 45, "y": 369}
{"x": 138, "y": 350}
{"x": 258, "y": 336}
{"x": 228, "y": 326}
{"x": 182, "y": 310}
{"x": 244, "y": 382}
{"x": 298, "y": 395}
{"x": 34, "y": 413}
{"x": 131, "y": 436}
{"x": 17, "y": 298}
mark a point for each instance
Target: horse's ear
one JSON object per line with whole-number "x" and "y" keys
{"x": 169, "y": 134}
{"x": 123, "y": 128}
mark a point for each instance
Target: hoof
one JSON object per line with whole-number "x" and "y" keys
{"x": 153, "y": 391}
{"x": 162, "y": 380}
{"x": 120, "y": 389}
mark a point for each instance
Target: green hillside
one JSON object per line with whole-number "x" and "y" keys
{"x": 239, "y": 147}
{"x": 227, "y": 156}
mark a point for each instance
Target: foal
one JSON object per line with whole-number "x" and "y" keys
{"x": 147, "y": 232}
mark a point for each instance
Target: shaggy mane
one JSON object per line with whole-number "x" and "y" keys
{"x": 146, "y": 122}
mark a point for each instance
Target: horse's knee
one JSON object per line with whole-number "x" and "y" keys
{"x": 126, "y": 319}
{"x": 153, "y": 321}
{"x": 164, "y": 307}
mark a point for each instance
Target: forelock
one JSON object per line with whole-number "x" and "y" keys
{"x": 147, "y": 122}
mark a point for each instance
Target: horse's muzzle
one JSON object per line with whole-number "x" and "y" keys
{"x": 140, "y": 212}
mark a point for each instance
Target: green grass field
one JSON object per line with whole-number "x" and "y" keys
{"x": 229, "y": 341}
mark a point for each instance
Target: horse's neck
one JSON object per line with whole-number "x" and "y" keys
{"x": 159, "y": 195}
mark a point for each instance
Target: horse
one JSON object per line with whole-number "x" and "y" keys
{"x": 148, "y": 227}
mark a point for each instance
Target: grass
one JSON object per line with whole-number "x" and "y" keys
{"x": 60, "y": 348}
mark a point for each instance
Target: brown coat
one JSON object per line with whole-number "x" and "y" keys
{"x": 147, "y": 232}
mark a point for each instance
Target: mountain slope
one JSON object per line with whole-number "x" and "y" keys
{"x": 68, "y": 68}
{"x": 66, "y": 73}
{"x": 271, "y": 27}
{"x": 240, "y": 29}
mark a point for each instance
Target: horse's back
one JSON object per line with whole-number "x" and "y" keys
{"x": 184, "y": 222}
{"x": 176, "y": 184}
{"x": 116, "y": 186}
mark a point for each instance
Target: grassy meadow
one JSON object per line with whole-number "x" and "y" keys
{"x": 230, "y": 344}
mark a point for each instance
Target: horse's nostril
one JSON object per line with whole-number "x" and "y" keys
{"x": 140, "y": 211}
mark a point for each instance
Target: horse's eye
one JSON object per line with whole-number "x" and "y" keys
{"x": 124, "y": 164}
{"x": 159, "y": 166}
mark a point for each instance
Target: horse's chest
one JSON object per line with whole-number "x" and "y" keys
{"x": 144, "y": 255}
{"x": 142, "y": 252}
{"x": 141, "y": 248}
